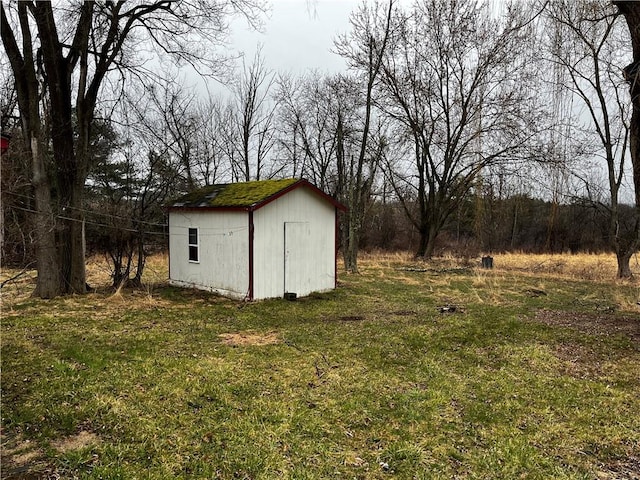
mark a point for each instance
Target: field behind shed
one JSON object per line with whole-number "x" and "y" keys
{"x": 407, "y": 370}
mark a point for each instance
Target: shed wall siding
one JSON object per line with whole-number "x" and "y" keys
{"x": 224, "y": 247}
{"x": 315, "y": 219}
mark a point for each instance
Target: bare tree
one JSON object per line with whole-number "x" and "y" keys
{"x": 593, "y": 55}
{"x": 151, "y": 158}
{"x": 64, "y": 54}
{"x": 455, "y": 81}
{"x": 253, "y": 117}
{"x": 307, "y": 138}
{"x": 165, "y": 113}
{"x": 364, "y": 48}
{"x": 319, "y": 115}
{"x": 212, "y": 164}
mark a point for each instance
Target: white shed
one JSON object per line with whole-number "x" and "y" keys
{"x": 255, "y": 240}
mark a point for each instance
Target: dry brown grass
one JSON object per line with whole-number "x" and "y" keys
{"x": 105, "y": 299}
{"x": 19, "y": 456}
{"x": 503, "y": 283}
{"x": 383, "y": 259}
{"x": 82, "y": 439}
{"x": 156, "y": 271}
{"x": 584, "y": 266}
{"x": 243, "y": 339}
{"x": 392, "y": 266}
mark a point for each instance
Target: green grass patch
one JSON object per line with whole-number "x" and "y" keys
{"x": 526, "y": 378}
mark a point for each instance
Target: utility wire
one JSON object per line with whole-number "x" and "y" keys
{"x": 62, "y": 217}
{"x": 225, "y": 231}
{"x": 118, "y": 217}
{"x": 84, "y": 210}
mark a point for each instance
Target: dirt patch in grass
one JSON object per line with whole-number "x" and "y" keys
{"x": 351, "y": 318}
{"x": 589, "y": 361}
{"x": 345, "y": 318}
{"x": 579, "y": 361}
{"x": 244, "y": 339}
{"x": 75, "y": 442}
{"x": 593, "y": 323}
{"x": 22, "y": 459}
{"x": 627, "y": 469}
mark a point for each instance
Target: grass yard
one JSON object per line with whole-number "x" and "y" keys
{"x": 408, "y": 370}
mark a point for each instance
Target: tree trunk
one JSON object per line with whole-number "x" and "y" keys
{"x": 77, "y": 269}
{"x": 427, "y": 244}
{"x": 634, "y": 146}
{"x": 351, "y": 239}
{"x": 631, "y": 12}
{"x": 431, "y": 243}
{"x": 142, "y": 259}
{"x": 422, "y": 243}
{"x": 49, "y": 283}
{"x": 624, "y": 270}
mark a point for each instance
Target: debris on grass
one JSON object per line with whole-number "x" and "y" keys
{"x": 535, "y": 292}
{"x": 448, "y": 308}
{"x": 437, "y": 271}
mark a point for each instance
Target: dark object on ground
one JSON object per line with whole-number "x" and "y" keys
{"x": 487, "y": 262}
{"x": 450, "y": 309}
{"x": 534, "y": 292}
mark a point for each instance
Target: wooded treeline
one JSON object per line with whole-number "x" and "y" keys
{"x": 482, "y": 225}
{"x": 489, "y": 225}
{"x": 460, "y": 125}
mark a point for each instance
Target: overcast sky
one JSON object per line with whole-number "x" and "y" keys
{"x": 298, "y": 35}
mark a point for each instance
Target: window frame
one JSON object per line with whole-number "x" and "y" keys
{"x": 195, "y": 246}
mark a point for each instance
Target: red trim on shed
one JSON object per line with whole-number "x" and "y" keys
{"x": 251, "y": 232}
{"x": 336, "y": 247}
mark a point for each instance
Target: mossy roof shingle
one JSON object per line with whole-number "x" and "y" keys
{"x": 234, "y": 195}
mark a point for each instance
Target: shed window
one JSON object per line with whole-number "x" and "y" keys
{"x": 193, "y": 245}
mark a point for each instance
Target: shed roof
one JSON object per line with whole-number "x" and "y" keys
{"x": 244, "y": 195}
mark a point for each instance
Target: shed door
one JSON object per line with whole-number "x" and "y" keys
{"x": 297, "y": 256}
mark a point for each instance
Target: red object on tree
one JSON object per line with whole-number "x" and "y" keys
{"x": 4, "y": 143}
